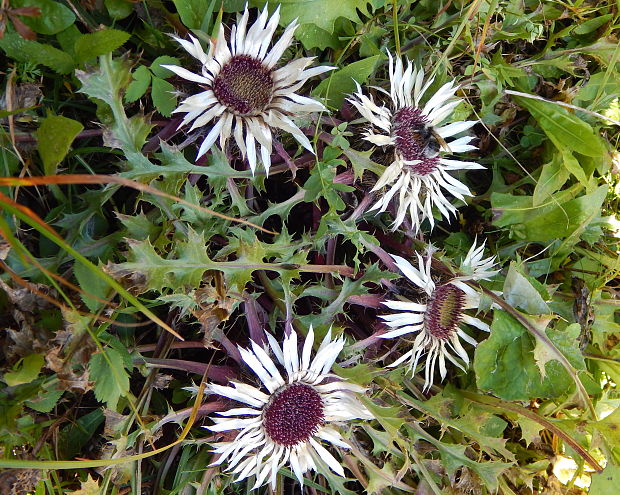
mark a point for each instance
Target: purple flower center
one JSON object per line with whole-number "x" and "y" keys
{"x": 293, "y": 415}
{"x": 415, "y": 140}
{"x": 444, "y": 311}
{"x": 244, "y": 85}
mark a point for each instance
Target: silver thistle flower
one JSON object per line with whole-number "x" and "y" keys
{"x": 437, "y": 317}
{"x": 244, "y": 93}
{"x": 420, "y": 173}
{"x": 287, "y": 422}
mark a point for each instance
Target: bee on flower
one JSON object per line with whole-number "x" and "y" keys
{"x": 416, "y": 134}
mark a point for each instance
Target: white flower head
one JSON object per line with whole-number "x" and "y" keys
{"x": 420, "y": 173}
{"x": 437, "y": 317}
{"x": 287, "y": 422}
{"x": 244, "y": 94}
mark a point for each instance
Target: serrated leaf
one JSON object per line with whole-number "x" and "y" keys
{"x": 566, "y": 130}
{"x": 106, "y": 82}
{"x": 54, "y": 138}
{"x": 55, "y": 16}
{"x": 111, "y": 381}
{"x": 88, "y": 487}
{"x": 505, "y": 365}
{"x": 46, "y": 400}
{"x": 341, "y": 83}
{"x": 163, "y": 95}
{"x": 92, "y": 45}
{"x": 34, "y": 52}
{"x": 141, "y": 82}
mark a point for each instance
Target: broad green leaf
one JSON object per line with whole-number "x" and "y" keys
{"x": 54, "y": 138}
{"x": 556, "y": 219}
{"x": 505, "y": 364}
{"x": 566, "y": 130}
{"x": 573, "y": 166}
{"x": 606, "y": 482}
{"x": 321, "y": 13}
{"x": 159, "y": 71}
{"x": 141, "y": 82}
{"x": 111, "y": 381}
{"x": 341, "y": 83}
{"x": 37, "y": 53}
{"x": 163, "y": 96}
{"x": 92, "y": 45}
{"x": 54, "y": 17}
{"x": 25, "y": 371}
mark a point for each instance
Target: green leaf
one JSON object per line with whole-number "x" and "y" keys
{"x": 76, "y": 434}
{"x": 109, "y": 376}
{"x": 45, "y": 400}
{"x": 25, "y": 371}
{"x": 107, "y": 82}
{"x": 606, "y": 482}
{"x": 22, "y": 50}
{"x": 195, "y": 14}
{"x": 54, "y": 138}
{"x": 520, "y": 293}
{"x": 163, "y": 95}
{"x": 321, "y": 13}
{"x": 342, "y": 82}
{"x": 312, "y": 36}
{"x": 552, "y": 177}
{"x": 592, "y": 24}
{"x": 159, "y": 71}
{"x": 119, "y": 9}
{"x": 55, "y": 17}
{"x": 90, "y": 283}
{"x": 141, "y": 82}
{"x": 92, "y": 45}
{"x": 566, "y": 130}
{"x": 505, "y": 364}
{"x": 556, "y": 219}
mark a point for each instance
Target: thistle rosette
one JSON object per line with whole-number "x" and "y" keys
{"x": 244, "y": 93}
{"x": 419, "y": 175}
{"x": 438, "y": 315}
{"x": 299, "y": 406}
